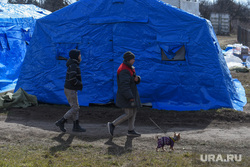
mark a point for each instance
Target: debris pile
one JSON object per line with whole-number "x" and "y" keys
{"x": 237, "y": 57}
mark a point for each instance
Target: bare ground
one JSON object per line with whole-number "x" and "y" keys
{"x": 221, "y": 132}
{"x": 224, "y": 131}
{"x": 225, "y": 40}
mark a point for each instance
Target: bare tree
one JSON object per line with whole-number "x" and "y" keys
{"x": 235, "y": 10}
{"x": 24, "y": 2}
{"x": 53, "y": 5}
{"x": 205, "y": 9}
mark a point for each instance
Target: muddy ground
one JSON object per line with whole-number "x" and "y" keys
{"x": 202, "y": 132}
{"x": 205, "y": 130}
{"x": 222, "y": 132}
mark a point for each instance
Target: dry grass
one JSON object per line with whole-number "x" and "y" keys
{"x": 86, "y": 155}
{"x": 225, "y": 40}
{"x": 92, "y": 156}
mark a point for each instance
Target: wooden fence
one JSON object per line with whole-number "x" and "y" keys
{"x": 243, "y": 36}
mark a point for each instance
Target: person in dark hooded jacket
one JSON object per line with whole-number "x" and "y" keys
{"x": 127, "y": 96}
{"x": 73, "y": 83}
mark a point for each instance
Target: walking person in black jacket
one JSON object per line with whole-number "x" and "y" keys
{"x": 73, "y": 83}
{"x": 127, "y": 96}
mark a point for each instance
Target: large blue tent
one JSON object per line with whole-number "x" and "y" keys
{"x": 17, "y": 22}
{"x": 177, "y": 55}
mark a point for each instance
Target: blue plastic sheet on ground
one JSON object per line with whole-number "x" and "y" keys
{"x": 104, "y": 29}
{"x": 242, "y": 100}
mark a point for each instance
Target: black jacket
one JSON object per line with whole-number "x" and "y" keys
{"x": 127, "y": 88}
{"x": 73, "y": 79}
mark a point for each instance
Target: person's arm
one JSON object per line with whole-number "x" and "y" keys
{"x": 72, "y": 76}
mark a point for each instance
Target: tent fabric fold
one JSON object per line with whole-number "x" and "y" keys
{"x": 17, "y": 22}
{"x": 105, "y": 29}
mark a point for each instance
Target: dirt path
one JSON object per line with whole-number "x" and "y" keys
{"x": 217, "y": 137}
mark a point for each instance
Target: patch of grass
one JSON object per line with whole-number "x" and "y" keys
{"x": 40, "y": 156}
{"x": 247, "y": 91}
{"x": 228, "y": 110}
{"x": 90, "y": 156}
{"x": 225, "y": 40}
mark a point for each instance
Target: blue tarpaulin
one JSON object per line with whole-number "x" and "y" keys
{"x": 177, "y": 55}
{"x": 17, "y": 22}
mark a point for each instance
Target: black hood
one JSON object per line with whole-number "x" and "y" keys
{"x": 74, "y": 54}
{"x": 72, "y": 61}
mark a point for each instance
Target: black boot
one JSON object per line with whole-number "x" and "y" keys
{"x": 60, "y": 123}
{"x": 77, "y": 127}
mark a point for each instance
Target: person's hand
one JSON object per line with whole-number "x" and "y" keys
{"x": 136, "y": 78}
{"x": 132, "y": 102}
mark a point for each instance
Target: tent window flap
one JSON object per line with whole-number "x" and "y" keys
{"x": 173, "y": 52}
